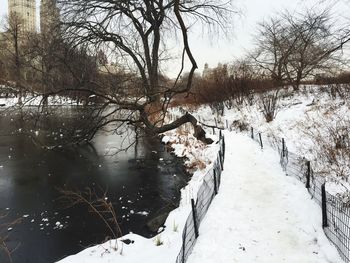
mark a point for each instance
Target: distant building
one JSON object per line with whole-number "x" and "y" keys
{"x": 49, "y": 17}
{"x": 213, "y": 73}
{"x": 26, "y": 10}
{"x": 109, "y": 69}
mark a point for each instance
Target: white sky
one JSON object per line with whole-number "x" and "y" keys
{"x": 216, "y": 49}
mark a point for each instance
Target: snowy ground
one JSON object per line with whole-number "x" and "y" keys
{"x": 307, "y": 120}
{"x": 298, "y": 115}
{"x": 37, "y": 100}
{"x": 260, "y": 215}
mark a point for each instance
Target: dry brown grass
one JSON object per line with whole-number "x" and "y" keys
{"x": 97, "y": 204}
{"x": 197, "y": 164}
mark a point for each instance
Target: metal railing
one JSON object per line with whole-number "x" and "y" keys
{"x": 335, "y": 213}
{"x": 200, "y": 206}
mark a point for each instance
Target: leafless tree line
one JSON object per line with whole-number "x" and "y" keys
{"x": 295, "y": 47}
{"x": 136, "y": 33}
{"x": 40, "y": 63}
{"x": 134, "y": 36}
{"x": 290, "y": 49}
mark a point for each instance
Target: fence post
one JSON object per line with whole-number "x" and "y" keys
{"x": 220, "y": 162}
{"x": 215, "y": 182}
{"x": 324, "y": 206}
{"x": 252, "y": 132}
{"x": 194, "y": 218}
{"x": 283, "y": 148}
{"x": 220, "y": 134}
{"x": 223, "y": 148}
{"x": 184, "y": 244}
{"x": 226, "y": 124}
{"x": 213, "y": 131}
{"x": 308, "y": 174}
{"x": 261, "y": 143}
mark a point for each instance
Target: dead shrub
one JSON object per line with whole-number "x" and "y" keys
{"x": 337, "y": 90}
{"x": 197, "y": 164}
{"x": 268, "y": 103}
{"x": 97, "y": 204}
{"x": 332, "y": 148}
{"x": 224, "y": 86}
{"x": 240, "y": 125}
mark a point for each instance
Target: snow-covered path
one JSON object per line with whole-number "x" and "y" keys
{"x": 260, "y": 215}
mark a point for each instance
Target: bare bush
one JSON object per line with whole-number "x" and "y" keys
{"x": 335, "y": 149}
{"x": 218, "y": 108}
{"x": 97, "y": 204}
{"x": 268, "y": 103}
{"x": 332, "y": 148}
{"x": 338, "y": 90}
{"x": 233, "y": 85}
{"x": 240, "y": 125}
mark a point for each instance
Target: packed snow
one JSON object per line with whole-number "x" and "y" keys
{"x": 260, "y": 215}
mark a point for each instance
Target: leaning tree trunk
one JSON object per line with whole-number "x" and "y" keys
{"x": 199, "y": 132}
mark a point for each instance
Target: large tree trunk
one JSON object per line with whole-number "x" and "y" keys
{"x": 199, "y": 132}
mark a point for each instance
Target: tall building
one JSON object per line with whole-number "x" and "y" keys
{"x": 25, "y": 10}
{"x": 49, "y": 16}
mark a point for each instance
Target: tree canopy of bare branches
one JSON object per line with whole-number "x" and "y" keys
{"x": 293, "y": 47}
{"x": 110, "y": 53}
{"x": 12, "y": 51}
{"x": 136, "y": 32}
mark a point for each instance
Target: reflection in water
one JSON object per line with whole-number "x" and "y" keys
{"x": 140, "y": 182}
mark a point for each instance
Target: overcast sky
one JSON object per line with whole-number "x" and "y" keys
{"x": 215, "y": 49}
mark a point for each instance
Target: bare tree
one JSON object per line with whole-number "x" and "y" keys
{"x": 272, "y": 50}
{"x": 314, "y": 48}
{"x": 269, "y": 104}
{"x": 136, "y": 32}
{"x": 57, "y": 65}
{"x": 11, "y": 44}
{"x": 293, "y": 47}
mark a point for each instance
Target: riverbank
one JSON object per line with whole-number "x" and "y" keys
{"x": 166, "y": 245}
{"x": 142, "y": 183}
{"x": 259, "y": 215}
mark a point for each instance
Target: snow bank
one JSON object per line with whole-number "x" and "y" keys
{"x": 37, "y": 100}
{"x": 305, "y": 119}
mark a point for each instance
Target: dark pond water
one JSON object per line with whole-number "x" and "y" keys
{"x": 141, "y": 183}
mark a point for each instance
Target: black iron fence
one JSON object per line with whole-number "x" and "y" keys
{"x": 200, "y": 206}
{"x": 335, "y": 213}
